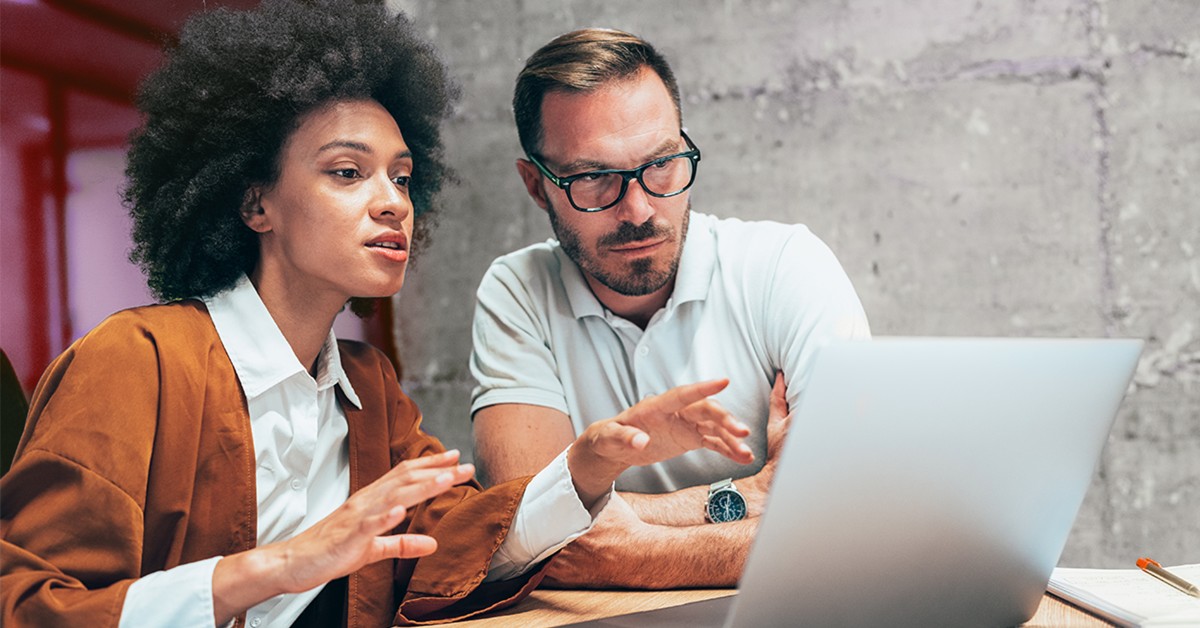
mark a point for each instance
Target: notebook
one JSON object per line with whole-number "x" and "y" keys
{"x": 1129, "y": 597}
{"x": 925, "y": 482}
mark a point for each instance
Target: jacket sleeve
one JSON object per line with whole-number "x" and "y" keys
{"x": 469, "y": 524}
{"x": 71, "y": 518}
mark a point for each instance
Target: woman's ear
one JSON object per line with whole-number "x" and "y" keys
{"x": 252, "y": 211}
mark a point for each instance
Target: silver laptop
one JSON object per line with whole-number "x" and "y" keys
{"x": 925, "y": 482}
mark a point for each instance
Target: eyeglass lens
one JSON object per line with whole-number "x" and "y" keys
{"x": 663, "y": 179}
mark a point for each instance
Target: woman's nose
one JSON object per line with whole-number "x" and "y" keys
{"x": 390, "y": 200}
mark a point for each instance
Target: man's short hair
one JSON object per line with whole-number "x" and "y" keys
{"x": 582, "y": 61}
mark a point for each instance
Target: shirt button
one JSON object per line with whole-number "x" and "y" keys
{"x": 644, "y": 351}
{"x": 256, "y": 622}
{"x": 297, "y": 484}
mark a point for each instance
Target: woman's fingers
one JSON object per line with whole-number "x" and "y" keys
{"x": 733, "y": 449}
{"x": 443, "y": 459}
{"x": 381, "y": 505}
{"x": 716, "y": 444}
{"x": 405, "y": 546}
{"x": 715, "y": 424}
{"x": 710, "y": 419}
{"x": 681, "y": 419}
{"x": 615, "y": 438}
{"x": 423, "y": 484}
{"x": 383, "y": 521}
{"x": 681, "y": 397}
{"x": 421, "y": 469}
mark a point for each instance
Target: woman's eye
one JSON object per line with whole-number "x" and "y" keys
{"x": 402, "y": 181}
{"x": 346, "y": 173}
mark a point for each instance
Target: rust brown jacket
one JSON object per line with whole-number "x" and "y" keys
{"x": 137, "y": 457}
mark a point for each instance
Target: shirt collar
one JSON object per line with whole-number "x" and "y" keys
{"x": 261, "y": 356}
{"x": 692, "y": 280}
{"x": 583, "y": 302}
{"x": 698, "y": 261}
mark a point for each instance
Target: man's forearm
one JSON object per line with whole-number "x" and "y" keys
{"x": 659, "y": 557}
{"x": 684, "y": 507}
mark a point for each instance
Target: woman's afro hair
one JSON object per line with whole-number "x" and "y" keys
{"x": 216, "y": 116}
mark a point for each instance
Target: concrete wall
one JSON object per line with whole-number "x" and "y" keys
{"x": 998, "y": 167}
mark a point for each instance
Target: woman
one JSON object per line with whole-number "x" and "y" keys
{"x": 222, "y": 457}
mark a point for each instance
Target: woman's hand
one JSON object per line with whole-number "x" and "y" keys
{"x": 357, "y": 533}
{"x": 653, "y": 430}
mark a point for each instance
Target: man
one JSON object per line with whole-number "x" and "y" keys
{"x": 639, "y": 294}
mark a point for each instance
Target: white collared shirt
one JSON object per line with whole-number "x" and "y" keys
{"x": 750, "y": 299}
{"x": 302, "y": 463}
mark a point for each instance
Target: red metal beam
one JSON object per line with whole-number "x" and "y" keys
{"x": 97, "y": 86}
{"x": 109, "y": 20}
{"x": 37, "y": 297}
{"x": 56, "y": 112}
{"x": 378, "y": 331}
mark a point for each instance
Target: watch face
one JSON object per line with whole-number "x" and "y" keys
{"x": 726, "y": 506}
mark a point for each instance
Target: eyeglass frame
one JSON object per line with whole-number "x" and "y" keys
{"x": 564, "y": 183}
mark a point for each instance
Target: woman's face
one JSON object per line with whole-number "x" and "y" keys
{"x": 338, "y": 221}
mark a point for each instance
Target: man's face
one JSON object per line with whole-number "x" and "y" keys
{"x": 632, "y": 248}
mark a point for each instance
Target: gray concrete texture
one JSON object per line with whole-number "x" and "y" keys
{"x": 998, "y": 167}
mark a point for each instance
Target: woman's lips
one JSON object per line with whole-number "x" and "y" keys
{"x": 393, "y": 247}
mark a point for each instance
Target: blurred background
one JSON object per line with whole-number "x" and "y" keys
{"x": 997, "y": 168}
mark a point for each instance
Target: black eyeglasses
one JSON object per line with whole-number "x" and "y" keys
{"x": 598, "y": 190}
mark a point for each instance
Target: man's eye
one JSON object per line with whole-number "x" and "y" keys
{"x": 592, "y": 176}
{"x": 346, "y": 173}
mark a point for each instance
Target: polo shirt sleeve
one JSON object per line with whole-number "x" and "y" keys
{"x": 511, "y": 359}
{"x": 810, "y": 303}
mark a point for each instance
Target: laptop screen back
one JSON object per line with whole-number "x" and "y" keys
{"x": 932, "y": 481}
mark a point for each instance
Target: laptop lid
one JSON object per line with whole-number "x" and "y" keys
{"x": 931, "y": 481}
{"x": 925, "y": 482}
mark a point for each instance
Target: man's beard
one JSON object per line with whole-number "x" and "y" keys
{"x": 638, "y": 278}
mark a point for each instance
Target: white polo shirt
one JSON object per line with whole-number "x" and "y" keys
{"x": 750, "y": 299}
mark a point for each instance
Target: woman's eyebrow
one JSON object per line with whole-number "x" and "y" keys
{"x": 362, "y": 148}
{"x": 352, "y": 145}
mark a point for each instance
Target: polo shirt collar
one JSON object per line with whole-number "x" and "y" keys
{"x": 696, "y": 266}
{"x": 697, "y": 263}
{"x": 261, "y": 356}
{"x": 579, "y": 294}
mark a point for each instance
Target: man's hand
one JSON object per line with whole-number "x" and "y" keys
{"x": 756, "y": 487}
{"x": 655, "y": 429}
{"x": 579, "y": 564}
{"x": 623, "y": 552}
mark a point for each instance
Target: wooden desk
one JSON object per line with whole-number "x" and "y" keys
{"x": 548, "y": 607}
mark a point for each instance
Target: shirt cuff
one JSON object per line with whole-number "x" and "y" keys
{"x": 181, "y": 596}
{"x": 550, "y": 516}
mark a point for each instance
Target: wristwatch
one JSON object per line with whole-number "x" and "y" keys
{"x": 725, "y": 503}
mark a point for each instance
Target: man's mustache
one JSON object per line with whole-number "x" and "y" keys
{"x": 628, "y": 232}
